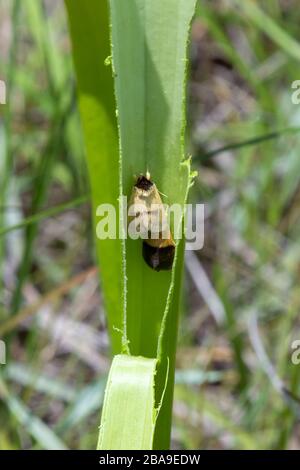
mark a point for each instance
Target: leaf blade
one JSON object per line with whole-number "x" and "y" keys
{"x": 128, "y": 415}
{"x": 89, "y": 28}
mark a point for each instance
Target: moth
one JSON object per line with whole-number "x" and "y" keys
{"x": 149, "y": 214}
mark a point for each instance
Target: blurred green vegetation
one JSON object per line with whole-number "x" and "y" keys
{"x": 236, "y": 386}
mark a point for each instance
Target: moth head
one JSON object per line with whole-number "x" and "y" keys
{"x": 144, "y": 183}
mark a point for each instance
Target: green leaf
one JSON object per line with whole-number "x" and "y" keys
{"x": 245, "y": 143}
{"x": 31, "y": 424}
{"x": 51, "y": 212}
{"x": 128, "y": 416}
{"x": 89, "y": 28}
{"x": 264, "y": 22}
{"x": 149, "y": 59}
{"x": 149, "y": 41}
{"x": 62, "y": 99}
{"x": 34, "y": 379}
{"x": 87, "y": 401}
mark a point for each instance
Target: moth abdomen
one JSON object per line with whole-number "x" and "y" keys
{"x": 159, "y": 258}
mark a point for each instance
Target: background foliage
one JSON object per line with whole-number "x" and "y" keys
{"x": 236, "y": 386}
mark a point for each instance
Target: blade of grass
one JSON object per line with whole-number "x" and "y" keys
{"x": 149, "y": 60}
{"x": 166, "y": 355}
{"x": 246, "y": 143}
{"x": 38, "y": 22}
{"x": 8, "y": 162}
{"x": 128, "y": 416}
{"x": 205, "y": 11}
{"x": 33, "y": 378}
{"x": 199, "y": 403}
{"x": 89, "y": 28}
{"x": 87, "y": 401}
{"x": 264, "y": 22}
{"x": 51, "y": 212}
{"x": 42, "y": 182}
{"x": 62, "y": 107}
{"x": 31, "y": 424}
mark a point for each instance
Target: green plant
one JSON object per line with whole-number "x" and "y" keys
{"x": 148, "y": 42}
{"x": 244, "y": 137}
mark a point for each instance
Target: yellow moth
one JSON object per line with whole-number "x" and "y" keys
{"x": 148, "y": 213}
